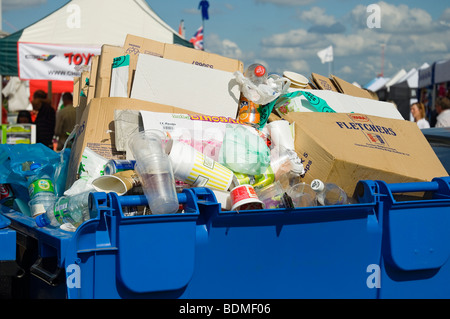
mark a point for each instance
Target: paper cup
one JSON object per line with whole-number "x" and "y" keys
{"x": 281, "y": 134}
{"x": 119, "y": 183}
{"x": 297, "y": 80}
{"x": 244, "y": 197}
{"x": 194, "y": 168}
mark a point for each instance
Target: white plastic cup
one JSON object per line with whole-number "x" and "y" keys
{"x": 197, "y": 169}
{"x": 281, "y": 134}
{"x": 155, "y": 171}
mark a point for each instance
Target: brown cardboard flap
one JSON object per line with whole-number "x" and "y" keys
{"x": 103, "y": 78}
{"x": 322, "y": 82}
{"x": 350, "y": 89}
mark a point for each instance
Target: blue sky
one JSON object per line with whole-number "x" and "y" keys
{"x": 286, "y": 34}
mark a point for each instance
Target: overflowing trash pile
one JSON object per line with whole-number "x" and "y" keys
{"x": 154, "y": 119}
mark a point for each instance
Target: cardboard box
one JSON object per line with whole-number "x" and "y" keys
{"x": 322, "y": 82}
{"x": 76, "y": 91}
{"x": 97, "y": 129}
{"x": 346, "y": 148}
{"x": 134, "y": 45}
{"x": 349, "y": 89}
{"x": 103, "y": 78}
{"x": 92, "y": 78}
{"x": 194, "y": 88}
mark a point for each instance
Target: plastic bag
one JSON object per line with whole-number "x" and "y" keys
{"x": 62, "y": 168}
{"x": 15, "y": 161}
{"x": 244, "y": 151}
{"x": 262, "y": 93}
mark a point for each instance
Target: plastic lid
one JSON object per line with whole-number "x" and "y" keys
{"x": 35, "y": 166}
{"x": 317, "y": 185}
{"x": 296, "y": 168}
{"x": 41, "y": 221}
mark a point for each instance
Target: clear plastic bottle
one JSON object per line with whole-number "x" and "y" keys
{"x": 295, "y": 174}
{"x": 72, "y": 209}
{"x": 329, "y": 193}
{"x": 256, "y": 73}
{"x": 41, "y": 190}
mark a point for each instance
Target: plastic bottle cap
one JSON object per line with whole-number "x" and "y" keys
{"x": 317, "y": 185}
{"x": 260, "y": 71}
{"x": 40, "y": 221}
{"x": 35, "y": 166}
{"x": 296, "y": 168}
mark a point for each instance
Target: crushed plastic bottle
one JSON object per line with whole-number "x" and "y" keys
{"x": 329, "y": 193}
{"x": 72, "y": 209}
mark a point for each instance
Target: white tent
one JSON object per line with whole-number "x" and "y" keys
{"x": 393, "y": 80}
{"x": 412, "y": 77}
{"x": 377, "y": 84}
{"x": 74, "y": 32}
{"x": 442, "y": 72}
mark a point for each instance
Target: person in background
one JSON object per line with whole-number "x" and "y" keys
{"x": 24, "y": 117}
{"x": 443, "y": 111}
{"x": 418, "y": 112}
{"x": 65, "y": 120}
{"x": 45, "y": 121}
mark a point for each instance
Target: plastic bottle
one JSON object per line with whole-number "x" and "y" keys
{"x": 256, "y": 73}
{"x": 293, "y": 177}
{"x": 41, "y": 190}
{"x": 329, "y": 193}
{"x": 72, "y": 209}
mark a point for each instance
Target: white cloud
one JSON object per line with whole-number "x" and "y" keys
{"x": 292, "y": 38}
{"x": 225, "y": 47}
{"x": 317, "y": 16}
{"x": 396, "y": 19}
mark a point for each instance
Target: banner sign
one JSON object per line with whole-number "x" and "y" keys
{"x": 38, "y": 61}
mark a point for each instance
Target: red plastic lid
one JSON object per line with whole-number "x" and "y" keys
{"x": 260, "y": 70}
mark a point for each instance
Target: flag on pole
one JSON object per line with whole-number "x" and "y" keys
{"x": 326, "y": 55}
{"x": 181, "y": 29}
{"x": 197, "y": 39}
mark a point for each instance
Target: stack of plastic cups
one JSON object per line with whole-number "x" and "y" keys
{"x": 155, "y": 171}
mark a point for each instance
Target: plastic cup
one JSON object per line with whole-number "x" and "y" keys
{"x": 193, "y": 167}
{"x": 244, "y": 197}
{"x": 155, "y": 171}
{"x": 272, "y": 196}
{"x": 302, "y": 195}
{"x": 281, "y": 134}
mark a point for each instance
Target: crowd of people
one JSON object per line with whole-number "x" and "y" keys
{"x": 50, "y": 124}
{"x": 439, "y": 117}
